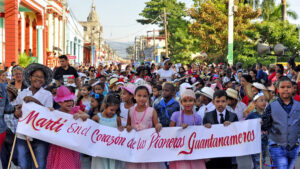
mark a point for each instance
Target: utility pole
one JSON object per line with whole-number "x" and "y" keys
{"x": 64, "y": 26}
{"x": 153, "y": 44}
{"x": 166, "y": 33}
{"x": 230, "y": 32}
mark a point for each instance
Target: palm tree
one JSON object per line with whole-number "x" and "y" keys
{"x": 278, "y": 13}
{"x": 283, "y": 4}
{"x": 268, "y": 7}
{"x": 272, "y": 12}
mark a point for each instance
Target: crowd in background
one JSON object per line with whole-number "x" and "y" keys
{"x": 145, "y": 95}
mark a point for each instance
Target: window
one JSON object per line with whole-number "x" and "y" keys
{"x": 85, "y": 28}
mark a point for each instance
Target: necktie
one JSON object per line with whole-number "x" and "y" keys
{"x": 222, "y": 120}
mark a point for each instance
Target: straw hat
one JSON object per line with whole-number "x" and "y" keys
{"x": 112, "y": 82}
{"x": 63, "y": 94}
{"x": 232, "y": 93}
{"x": 208, "y": 92}
{"x": 36, "y": 66}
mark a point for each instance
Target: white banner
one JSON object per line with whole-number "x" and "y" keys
{"x": 171, "y": 144}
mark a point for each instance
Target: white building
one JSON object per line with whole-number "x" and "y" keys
{"x": 74, "y": 40}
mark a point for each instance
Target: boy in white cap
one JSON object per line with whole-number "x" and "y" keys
{"x": 206, "y": 98}
{"x": 260, "y": 102}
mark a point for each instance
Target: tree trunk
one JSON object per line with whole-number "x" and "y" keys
{"x": 283, "y": 3}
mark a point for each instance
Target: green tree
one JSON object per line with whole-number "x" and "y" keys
{"x": 24, "y": 60}
{"x": 276, "y": 32}
{"x": 210, "y": 27}
{"x": 273, "y": 12}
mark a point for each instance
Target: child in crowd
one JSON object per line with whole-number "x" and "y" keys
{"x": 84, "y": 99}
{"x": 184, "y": 118}
{"x": 157, "y": 90}
{"x": 108, "y": 117}
{"x": 219, "y": 116}
{"x": 281, "y": 120}
{"x": 71, "y": 81}
{"x": 60, "y": 157}
{"x": 128, "y": 101}
{"x": 99, "y": 88}
{"x": 198, "y": 101}
{"x": 168, "y": 105}
{"x": 143, "y": 117}
{"x": 260, "y": 102}
{"x": 96, "y": 103}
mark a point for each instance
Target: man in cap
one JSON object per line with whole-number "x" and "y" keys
{"x": 206, "y": 98}
{"x": 234, "y": 103}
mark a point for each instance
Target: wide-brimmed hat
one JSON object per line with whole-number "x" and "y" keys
{"x": 129, "y": 87}
{"x": 259, "y": 86}
{"x": 63, "y": 94}
{"x": 36, "y": 66}
{"x": 12, "y": 89}
{"x": 232, "y": 93}
{"x": 208, "y": 92}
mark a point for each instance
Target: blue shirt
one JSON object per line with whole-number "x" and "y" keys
{"x": 254, "y": 115}
{"x": 163, "y": 118}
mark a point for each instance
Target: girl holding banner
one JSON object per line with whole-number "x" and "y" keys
{"x": 142, "y": 117}
{"x": 184, "y": 118}
{"x": 108, "y": 117}
{"x": 60, "y": 157}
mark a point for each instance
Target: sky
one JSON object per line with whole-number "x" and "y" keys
{"x": 118, "y": 17}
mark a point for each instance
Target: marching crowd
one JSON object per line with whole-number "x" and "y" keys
{"x": 139, "y": 96}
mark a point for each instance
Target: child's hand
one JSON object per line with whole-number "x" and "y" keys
{"x": 96, "y": 118}
{"x": 81, "y": 112}
{"x": 184, "y": 126}
{"x": 121, "y": 128}
{"x": 128, "y": 128}
{"x": 158, "y": 127}
{"x": 51, "y": 108}
{"x": 207, "y": 125}
{"x": 227, "y": 123}
{"x": 76, "y": 116}
{"x": 84, "y": 116}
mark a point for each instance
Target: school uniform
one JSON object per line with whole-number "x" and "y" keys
{"x": 215, "y": 117}
{"x": 165, "y": 110}
{"x": 282, "y": 123}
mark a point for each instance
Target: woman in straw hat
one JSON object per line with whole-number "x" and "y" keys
{"x": 36, "y": 76}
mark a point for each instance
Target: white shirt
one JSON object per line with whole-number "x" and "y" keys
{"x": 206, "y": 108}
{"x": 166, "y": 74}
{"x": 43, "y": 96}
{"x": 239, "y": 110}
{"x": 219, "y": 116}
{"x": 123, "y": 114}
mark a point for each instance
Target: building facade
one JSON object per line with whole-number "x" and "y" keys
{"x": 74, "y": 40}
{"x": 22, "y": 27}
